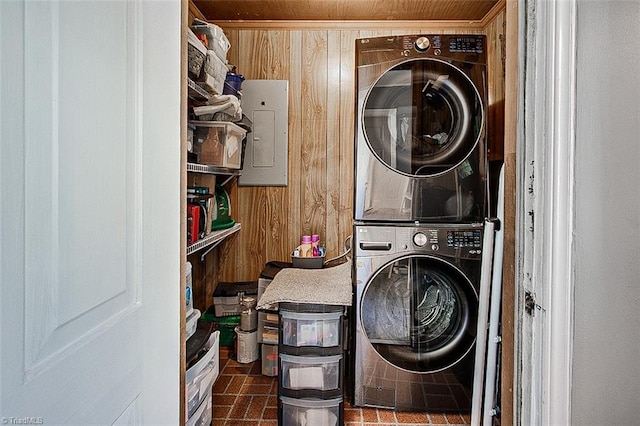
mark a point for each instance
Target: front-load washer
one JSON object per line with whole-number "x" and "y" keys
{"x": 420, "y": 129}
{"x": 416, "y": 308}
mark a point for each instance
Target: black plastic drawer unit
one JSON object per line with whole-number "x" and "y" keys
{"x": 307, "y": 329}
{"x": 311, "y": 363}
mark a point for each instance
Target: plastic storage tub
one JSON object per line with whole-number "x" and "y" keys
{"x": 204, "y": 414}
{"x": 221, "y": 143}
{"x": 225, "y": 296}
{"x": 201, "y": 376}
{"x": 196, "y": 53}
{"x": 268, "y": 327}
{"x": 321, "y": 373}
{"x": 212, "y": 78}
{"x": 269, "y": 360}
{"x": 315, "y": 262}
{"x": 310, "y": 329}
{"x": 192, "y": 323}
{"x": 316, "y": 412}
{"x": 218, "y": 41}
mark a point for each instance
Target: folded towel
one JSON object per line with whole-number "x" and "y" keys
{"x": 327, "y": 286}
{"x": 228, "y": 104}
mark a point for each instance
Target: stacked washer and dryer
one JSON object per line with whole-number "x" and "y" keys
{"x": 420, "y": 203}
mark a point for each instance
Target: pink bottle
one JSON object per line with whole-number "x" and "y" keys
{"x": 305, "y": 246}
{"x": 315, "y": 245}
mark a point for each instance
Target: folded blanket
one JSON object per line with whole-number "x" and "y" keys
{"x": 328, "y": 286}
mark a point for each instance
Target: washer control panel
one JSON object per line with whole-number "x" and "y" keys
{"x": 446, "y": 240}
{"x": 456, "y": 240}
{"x": 464, "y": 238}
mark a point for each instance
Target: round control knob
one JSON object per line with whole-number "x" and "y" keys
{"x": 422, "y": 44}
{"x": 420, "y": 239}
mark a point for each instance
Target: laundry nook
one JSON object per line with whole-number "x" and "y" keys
{"x": 365, "y": 210}
{"x": 319, "y": 212}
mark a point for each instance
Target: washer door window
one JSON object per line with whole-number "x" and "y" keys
{"x": 420, "y": 314}
{"x": 422, "y": 117}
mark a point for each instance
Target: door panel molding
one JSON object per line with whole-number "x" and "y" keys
{"x": 82, "y": 183}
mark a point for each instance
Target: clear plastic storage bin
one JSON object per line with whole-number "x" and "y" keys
{"x": 311, "y": 412}
{"x": 197, "y": 54}
{"x": 218, "y": 41}
{"x": 268, "y": 327}
{"x": 269, "y": 360}
{"x": 311, "y": 329}
{"x": 221, "y": 143}
{"x": 192, "y": 323}
{"x": 306, "y": 372}
{"x": 201, "y": 376}
{"x": 214, "y": 74}
{"x": 204, "y": 414}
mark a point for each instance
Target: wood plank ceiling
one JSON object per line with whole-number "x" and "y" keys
{"x": 344, "y": 10}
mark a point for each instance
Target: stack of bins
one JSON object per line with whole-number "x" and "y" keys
{"x": 214, "y": 70}
{"x": 268, "y": 320}
{"x": 202, "y": 371}
{"x": 311, "y": 365}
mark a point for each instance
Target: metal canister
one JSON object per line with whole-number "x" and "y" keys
{"x": 248, "y": 315}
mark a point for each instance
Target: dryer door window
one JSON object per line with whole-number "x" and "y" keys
{"x": 420, "y": 313}
{"x": 423, "y": 117}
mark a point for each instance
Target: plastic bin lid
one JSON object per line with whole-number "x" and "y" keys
{"x": 226, "y": 289}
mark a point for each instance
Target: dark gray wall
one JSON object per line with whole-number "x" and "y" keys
{"x": 606, "y": 363}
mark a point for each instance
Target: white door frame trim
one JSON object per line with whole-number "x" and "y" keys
{"x": 561, "y": 194}
{"x": 553, "y": 137}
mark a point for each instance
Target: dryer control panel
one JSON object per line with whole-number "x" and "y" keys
{"x": 471, "y": 44}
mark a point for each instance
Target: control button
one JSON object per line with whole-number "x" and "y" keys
{"x": 435, "y": 247}
{"x": 422, "y": 44}
{"x": 420, "y": 239}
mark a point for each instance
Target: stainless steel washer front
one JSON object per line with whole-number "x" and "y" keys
{"x": 416, "y": 315}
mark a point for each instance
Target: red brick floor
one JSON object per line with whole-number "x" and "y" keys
{"x": 243, "y": 396}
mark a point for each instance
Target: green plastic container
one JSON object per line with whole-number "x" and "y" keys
{"x": 226, "y": 325}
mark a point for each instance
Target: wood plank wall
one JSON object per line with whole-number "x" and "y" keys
{"x": 319, "y": 65}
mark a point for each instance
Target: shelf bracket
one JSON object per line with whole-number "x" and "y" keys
{"x": 214, "y": 245}
{"x": 227, "y": 180}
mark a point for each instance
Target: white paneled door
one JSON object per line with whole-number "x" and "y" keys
{"x": 89, "y": 209}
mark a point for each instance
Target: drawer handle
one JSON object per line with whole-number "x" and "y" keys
{"x": 375, "y": 246}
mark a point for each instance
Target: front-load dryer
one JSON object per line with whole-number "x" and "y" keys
{"x": 421, "y": 129}
{"x": 416, "y": 309}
